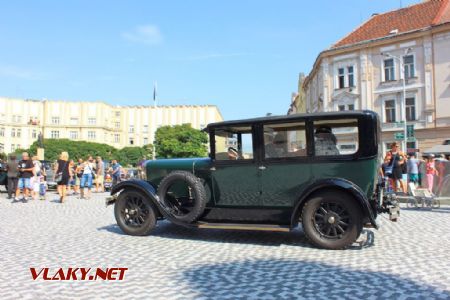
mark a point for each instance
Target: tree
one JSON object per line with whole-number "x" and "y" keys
{"x": 132, "y": 155}
{"x": 180, "y": 141}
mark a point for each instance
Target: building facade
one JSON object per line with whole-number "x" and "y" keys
{"x": 22, "y": 120}
{"x": 403, "y": 50}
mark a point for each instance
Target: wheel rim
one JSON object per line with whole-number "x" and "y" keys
{"x": 180, "y": 206}
{"x": 331, "y": 220}
{"x": 135, "y": 211}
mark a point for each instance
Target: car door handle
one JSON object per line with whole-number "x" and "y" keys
{"x": 262, "y": 167}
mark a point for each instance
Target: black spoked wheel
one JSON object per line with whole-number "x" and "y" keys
{"x": 134, "y": 214}
{"x": 332, "y": 220}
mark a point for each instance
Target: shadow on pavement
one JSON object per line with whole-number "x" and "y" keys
{"x": 293, "y": 279}
{"x": 168, "y": 230}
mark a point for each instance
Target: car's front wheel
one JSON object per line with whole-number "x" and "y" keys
{"x": 332, "y": 220}
{"x": 134, "y": 214}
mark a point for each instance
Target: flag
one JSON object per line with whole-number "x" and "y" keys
{"x": 154, "y": 92}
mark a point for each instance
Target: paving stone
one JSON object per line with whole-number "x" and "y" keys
{"x": 404, "y": 260}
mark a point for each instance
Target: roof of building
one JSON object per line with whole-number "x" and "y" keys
{"x": 412, "y": 18}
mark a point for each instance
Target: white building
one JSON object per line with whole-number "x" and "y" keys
{"x": 22, "y": 120}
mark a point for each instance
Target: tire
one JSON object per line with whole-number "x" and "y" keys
{"x": 336, "y": 207}
{"x": 185, "y": 209}
{"x": 436, "y": 203}
{"x": 134, "y": 214}
{"x": 412, "y": 203}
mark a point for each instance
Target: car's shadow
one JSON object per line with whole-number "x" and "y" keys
{"x": 272, "y": 278}
{"x": 296, "y": 237}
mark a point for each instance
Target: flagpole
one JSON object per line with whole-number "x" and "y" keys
{"x": 155, "y": 106}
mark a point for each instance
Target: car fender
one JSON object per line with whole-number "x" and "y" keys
{"x": 150, "y": 192}
{"x": 334, "y": 183}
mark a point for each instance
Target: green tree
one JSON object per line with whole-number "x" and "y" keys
{"x": 130, "y": 156}
{"x": 180, "y": 141}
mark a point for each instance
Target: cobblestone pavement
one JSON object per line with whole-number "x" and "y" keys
{"x": 405, "y": 260}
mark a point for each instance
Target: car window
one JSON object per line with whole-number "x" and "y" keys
{"x": 284, "y": 140}
{"x": 336, "y": 137}
{"x": 234, "y": 143}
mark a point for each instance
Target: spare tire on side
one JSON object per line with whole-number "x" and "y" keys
{"x": 186, "y": 208}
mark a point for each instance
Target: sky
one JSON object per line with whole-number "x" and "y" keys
{"x": 243, "y": 56}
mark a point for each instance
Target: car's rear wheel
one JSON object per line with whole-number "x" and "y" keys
{"x": 332, "y": 220}
{"x": 134, "y": 214}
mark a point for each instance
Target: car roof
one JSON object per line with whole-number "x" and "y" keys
{"x": 293, "y": 117}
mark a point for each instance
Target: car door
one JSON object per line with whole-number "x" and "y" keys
{"x": 285, "y": 164}
{"x": 236, "y": 178}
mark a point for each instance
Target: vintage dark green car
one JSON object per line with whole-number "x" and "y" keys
{"x": 273, "y": 173}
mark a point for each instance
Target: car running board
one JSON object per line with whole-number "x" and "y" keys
{"x": 234, "y": 226}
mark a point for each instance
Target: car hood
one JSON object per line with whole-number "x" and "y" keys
{"x": 188, "y": 164}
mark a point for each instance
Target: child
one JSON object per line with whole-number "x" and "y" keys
{"x": 42, "y": 187}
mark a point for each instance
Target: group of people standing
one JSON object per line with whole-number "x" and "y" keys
{"x": 401, "y": 169}
{"x": 28, "y": 176}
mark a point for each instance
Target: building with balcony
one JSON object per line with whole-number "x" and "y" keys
{"x": 21, "y": 121}
{"x": 362, "y": 71}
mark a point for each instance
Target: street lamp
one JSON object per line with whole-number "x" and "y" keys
{"x": 403, "y": 103}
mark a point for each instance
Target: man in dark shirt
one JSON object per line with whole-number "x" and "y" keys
{"x": 25, "y": 173}
{"x": 12, "y": 168}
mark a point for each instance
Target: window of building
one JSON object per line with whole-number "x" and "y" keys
{"x": 92, "y": 121}
{"x": 131, "y": 129}
{"x": 73, "y": 135}
{"x": 131, "y": 141}
{"x": 336, "y": 137}
{"x": 117, "y": 125}
{"x": 17, "y": 119}
{"x": 2, "y": 148}
{"x": 54, "y": 134}
{"x": 389, "y": 69}
{"x": 2, "y": 131}
{"x": 350, "y": 76}
{"x": 117, "y": 114}
{"x": 285, "y": 140}
{"x": 34, "y": 134}
{"x": 91, "y": 135}
{"x": 410, "y": 146}
{"x": 410, "y": 109}
{"x": 145, "y": 129}
{"x": 351, "y": 107}
{"x": 13, "y": 132}
{"x": 55, "y": 120}
{"x": 341, "y": 107}
{"x": 116, "y": 138}
{"x": 408, "y": 64}
{"x": 13, "y": 147}
{"x": 145, "y": 141}
{"x": 341, "y": 78}
{"x": 73, "y": 121}
{"x": 19, "y": 132}
{"x": 389, "y": 107}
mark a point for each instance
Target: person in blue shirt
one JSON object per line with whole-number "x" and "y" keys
{"x": 116, "y": 168}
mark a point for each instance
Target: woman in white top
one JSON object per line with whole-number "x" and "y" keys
{"x": 86, "y": 178}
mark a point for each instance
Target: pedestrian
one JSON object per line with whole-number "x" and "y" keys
{"x": 116, "y": 172}
{"x": 396, "y": 175}
{"x": 404, "y": 179}
{"x": 423, "y": 172}
{"x": 412, "y": 166}
{"x": 12, "y": 173}
{"x": 100, "y": 170}
{"x": 86, "y": 178}
{"x": 35, "y": 181}
{"x": 25, "y": 173}
{"x": 73, "y": 176}
{"x": 78, "y": 175}
{"x": 62, "y": 175}
{"x": 440, "y": 164}
{"x": 431, "y": 171}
